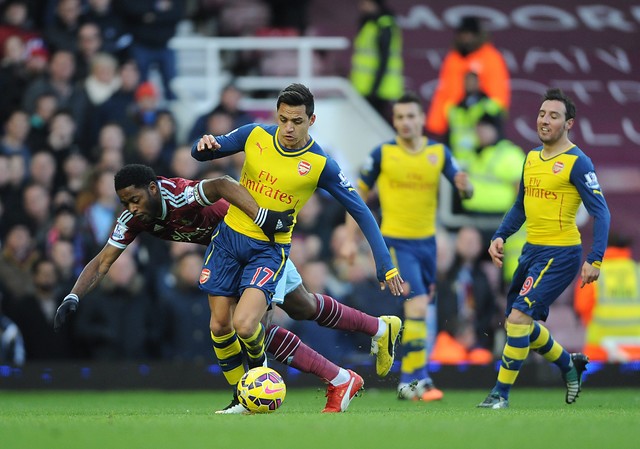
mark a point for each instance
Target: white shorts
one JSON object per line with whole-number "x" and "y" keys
{"x": 289, "y": 281}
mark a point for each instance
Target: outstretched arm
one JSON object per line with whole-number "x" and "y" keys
{"x": 90, "y": 277}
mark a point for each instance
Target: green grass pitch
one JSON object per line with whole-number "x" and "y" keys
{"x": 538, "y": 418}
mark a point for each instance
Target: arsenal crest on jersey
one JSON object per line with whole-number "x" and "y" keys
{"x": 304, "y": 167}
{"x": 557, "y": 167}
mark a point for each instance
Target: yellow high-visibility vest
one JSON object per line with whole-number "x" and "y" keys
{"x": 617, "y": 309}
{"x": 366, "y": 60}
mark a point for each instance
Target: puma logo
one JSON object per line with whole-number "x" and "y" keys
{"x": 529, "y": 302}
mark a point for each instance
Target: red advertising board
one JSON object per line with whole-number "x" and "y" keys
{"x": 590, "y": 50}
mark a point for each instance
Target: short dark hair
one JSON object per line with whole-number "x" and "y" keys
{"x": 297, "y": 94}
{"x": 410, "y": 97}
{"x": 136, "y": 175}
{"x": 556, "y": 94}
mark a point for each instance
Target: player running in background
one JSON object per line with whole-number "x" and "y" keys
{"x": 283, "y": 167}
{"x": 557, "y": 177}
{"x": 407, "y": 170}
{"x": 178, "y": 209}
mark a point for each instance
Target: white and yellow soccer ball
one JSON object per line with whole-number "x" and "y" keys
{"x": 261, "y": 390}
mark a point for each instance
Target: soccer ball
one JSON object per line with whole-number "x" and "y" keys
{"x": 261, "y": 390}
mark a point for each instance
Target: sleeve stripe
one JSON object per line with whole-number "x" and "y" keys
{"x": 261, "y": 217}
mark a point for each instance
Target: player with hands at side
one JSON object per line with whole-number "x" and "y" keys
{"x": 407, "y": 170}
{"x": 556, "y": 178}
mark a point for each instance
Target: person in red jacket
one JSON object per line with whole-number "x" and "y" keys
{"x": 471, "y": 52}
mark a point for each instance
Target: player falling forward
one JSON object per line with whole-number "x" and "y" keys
{"x": 177, "y": 209}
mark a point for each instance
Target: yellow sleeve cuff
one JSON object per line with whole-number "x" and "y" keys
{"x": 596, "y": 263}
{"x": 391, "y": 273}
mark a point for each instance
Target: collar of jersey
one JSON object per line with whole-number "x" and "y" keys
{"x": 286, "y": 151}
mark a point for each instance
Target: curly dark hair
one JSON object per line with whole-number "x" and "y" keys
{"x": 136, "y": 175}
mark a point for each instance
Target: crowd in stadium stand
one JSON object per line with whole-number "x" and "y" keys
{"x": 78, "y": 103}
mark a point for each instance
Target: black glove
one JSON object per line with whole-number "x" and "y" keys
{"x": 271, "y": 222}
{"x": 68, "y": 306}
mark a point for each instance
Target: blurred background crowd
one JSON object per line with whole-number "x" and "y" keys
{"x": 87, "y": 87}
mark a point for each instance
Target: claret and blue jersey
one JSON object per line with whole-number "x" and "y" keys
{"x": 279, "y": 178}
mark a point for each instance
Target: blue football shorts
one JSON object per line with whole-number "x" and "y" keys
{"x": 234, "y": 262}
{"x": 543, "y": 273}
{"x": 416, "y": 261}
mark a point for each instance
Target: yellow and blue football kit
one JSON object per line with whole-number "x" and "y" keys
{"x": 551, "y": 191}
{"x": 408, "y": 192}
{"x": 279, "y": 178}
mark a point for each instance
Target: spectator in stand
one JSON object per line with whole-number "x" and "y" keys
{"x": 467, "y": 310}
{"x": 152, "y": 23}
{"x": 16, "y": 260}
{"x": 167, "y": 128}
{"x": 230, "y": 98}
{"x": 148, "y": 150}
{"x": 62, "y": 33}
{"x": 111, "y": 139}
{"x": 115, "y": 40}
{"x": 42, "y": 170}
{"x": 99, "y": 205}
{"x": 16, "y": 22}
{"x": 120, "y": 107}
{"x": 494, "y": 169}
{"x": 463, "y": 117}
{"x": 183, "y": 165}
{"x": 88, "y": 46}
{"x": 610, "y": 307}
{"x": 471, "y": 52}
{"x": 12, "y": 181}
{"x": 100, "y": 85}
{"x": 34, "y": 314}
{"x": 117, "y": 320}
{"x": 61, "y": 141}
{"x": 68, "y": 263}
{"x": 144, "y": 111}
{"x": 188, "y": 311}
{"x": 36, "y": 212}
{"x": 58, "y": 81}
{"x": 377, "y": 64}
{"x": 19, "y": 66}
{"x": 74, "y": 172}
{"x": 16, "y": 131}
{"x": 46, "y": 105}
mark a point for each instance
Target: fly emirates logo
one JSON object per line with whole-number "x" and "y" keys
{"x": 534, "y": 190}
{"x": 265, "y": 185}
